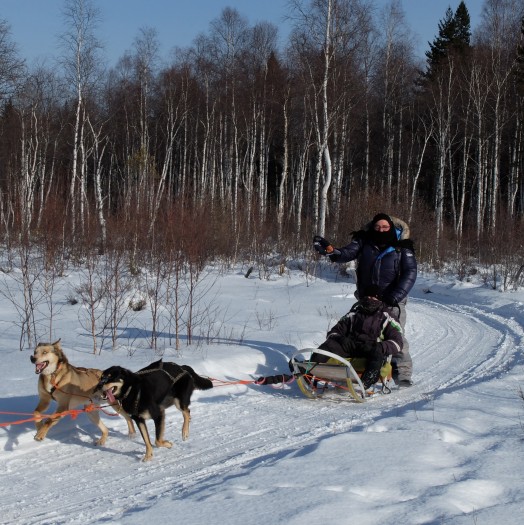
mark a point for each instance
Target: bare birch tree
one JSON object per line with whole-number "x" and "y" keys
{"x": 332, "y": 30}
{"x": 80, "y": 62}
{"x": 443, "y": 99}
{"x": 396, "y": 73}
{"x": 499, "y": 31}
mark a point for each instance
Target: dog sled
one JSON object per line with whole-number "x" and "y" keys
{"x": 338, "y": 375}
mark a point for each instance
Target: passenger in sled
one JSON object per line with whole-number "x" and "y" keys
{"x": 385, "y": 256}
{"x": 367, "y": 331}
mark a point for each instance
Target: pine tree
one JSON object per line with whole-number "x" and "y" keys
{"x": 453, "y": 38}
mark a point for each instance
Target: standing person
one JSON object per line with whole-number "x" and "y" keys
{"x": 385, "y": 257}
{"x": 367, "y": 331}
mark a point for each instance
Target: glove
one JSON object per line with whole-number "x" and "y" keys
{"x": 370, "y": 348}
{"x": 389, "y": 300}
{"x": 322, "y": 246}
{"x": 349, "y": 345}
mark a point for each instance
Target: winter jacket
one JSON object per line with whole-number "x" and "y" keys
{"x": 350, "y": 335}
{"x": 393, "y": 268}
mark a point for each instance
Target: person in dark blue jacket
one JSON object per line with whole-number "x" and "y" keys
{"x": 385, "y": 257}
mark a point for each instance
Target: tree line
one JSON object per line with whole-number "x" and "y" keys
{"x": 238, "y": 145}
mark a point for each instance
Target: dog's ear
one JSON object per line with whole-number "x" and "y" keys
{"x": 118, "y": 373}
{"x": 109, "y": 375}
{"x": 115, "y": 372}
{"x": 57, "y": 349}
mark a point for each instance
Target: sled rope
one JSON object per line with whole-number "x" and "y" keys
{"x": 223, "y": 382}
{"x": 74, "y": 413}
{"x": 269, "y": 380}
{"x": 285, "y": 379}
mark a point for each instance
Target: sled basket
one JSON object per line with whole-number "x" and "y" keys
{"x": 338, "y": 374}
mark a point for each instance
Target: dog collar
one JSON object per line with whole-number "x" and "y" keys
{"x": 126, "y": 394}
{"x": 54, "y": 384}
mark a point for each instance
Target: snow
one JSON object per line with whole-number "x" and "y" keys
{"x": 447, "y": 450}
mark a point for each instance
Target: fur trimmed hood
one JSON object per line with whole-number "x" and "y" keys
{"x": 394, "y": 271}
{"x": 399, "y": 223}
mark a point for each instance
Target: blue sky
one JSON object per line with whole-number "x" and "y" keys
{"x": 35, "y": 24}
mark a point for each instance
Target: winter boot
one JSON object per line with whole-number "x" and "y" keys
{"x": 394, "y": 373}
{"x": 370, "y": 377}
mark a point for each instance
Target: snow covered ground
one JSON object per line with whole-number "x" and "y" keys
{"x": 447, "y": 450}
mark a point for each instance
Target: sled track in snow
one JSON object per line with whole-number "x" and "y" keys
{"x": 487, "y": 343}
{"x": 283, "y": 423}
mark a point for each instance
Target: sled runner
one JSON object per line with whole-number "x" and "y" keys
{"x": 337, "y": 375}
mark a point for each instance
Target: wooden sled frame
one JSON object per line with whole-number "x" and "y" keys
{"x": 309, "y": 373}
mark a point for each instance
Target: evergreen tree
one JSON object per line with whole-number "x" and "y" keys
{"x": 462, "y": 37}
{"x": 453, "y": 38}
{"x": 438, "y": 49}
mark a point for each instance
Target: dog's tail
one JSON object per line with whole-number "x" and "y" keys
{"x": 201, "y": 383}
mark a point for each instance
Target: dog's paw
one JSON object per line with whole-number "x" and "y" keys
{"x": 164, "y": 443}
{"x": 101, "y": 441}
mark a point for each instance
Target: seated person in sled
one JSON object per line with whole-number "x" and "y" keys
{"x": 366, "y": 331}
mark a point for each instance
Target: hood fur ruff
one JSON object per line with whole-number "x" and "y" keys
{"x": 399, "y": 223}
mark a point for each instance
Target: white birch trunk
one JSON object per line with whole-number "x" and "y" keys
{"x": 285, "y": 169}
{"x": 324, "y": 154}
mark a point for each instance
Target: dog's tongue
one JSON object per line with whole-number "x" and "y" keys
{"x": 39, "y": 367}
{"x": 110, "y": 397}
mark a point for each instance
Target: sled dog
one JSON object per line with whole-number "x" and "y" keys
{"x": 147, "y": 393}
{"x": 69, "y": 386}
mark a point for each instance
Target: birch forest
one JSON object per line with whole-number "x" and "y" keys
{"x": 242, "y": 146}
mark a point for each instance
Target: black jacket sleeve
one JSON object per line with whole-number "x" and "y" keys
{"x": 351, "y": 251}
{"x": 407, "y": 274}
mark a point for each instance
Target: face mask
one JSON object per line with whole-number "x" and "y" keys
{"x": 370, "y": 305}
{"x": 388, "y": 238}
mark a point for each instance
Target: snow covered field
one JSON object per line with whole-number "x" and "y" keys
{"x": 448, "y": 450}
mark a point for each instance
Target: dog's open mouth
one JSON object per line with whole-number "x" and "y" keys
{"x": 39, "y": 367}
{"x": 109, "y": 395}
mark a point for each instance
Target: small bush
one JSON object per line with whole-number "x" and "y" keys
{"x": 72, "y": 300}
{"x": 138, "y": 305}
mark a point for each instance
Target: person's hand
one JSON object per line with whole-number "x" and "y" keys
{"x": 389, "y": 300}
{"x": 349, "y": 345}
{"x": 369, "y": 347}
{"x": 322, "y": 246}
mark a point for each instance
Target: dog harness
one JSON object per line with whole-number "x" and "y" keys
{"x": 140, "y": 372}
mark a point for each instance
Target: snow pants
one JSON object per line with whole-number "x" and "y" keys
{"x": 404, "y": 362}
